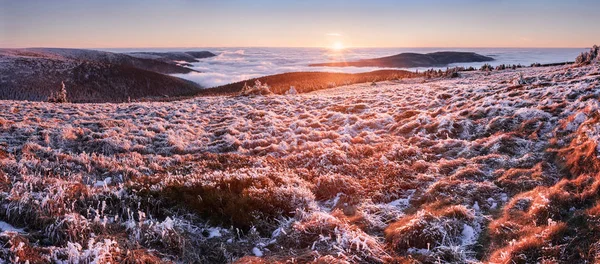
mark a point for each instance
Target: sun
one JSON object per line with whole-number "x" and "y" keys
{"x": 337, "y": 46}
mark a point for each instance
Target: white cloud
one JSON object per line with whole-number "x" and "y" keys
{"x": 234, "y": 64}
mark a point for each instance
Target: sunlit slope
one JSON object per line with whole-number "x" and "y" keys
{"x": 485, "y": 167}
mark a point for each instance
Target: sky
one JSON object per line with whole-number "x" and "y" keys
{"x": 298, "y": 23}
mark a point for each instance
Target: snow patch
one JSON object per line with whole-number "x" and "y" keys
{"x": 469, "y": 235}
{"x": 6, "y": 227}
{"x": 257, "y": 252}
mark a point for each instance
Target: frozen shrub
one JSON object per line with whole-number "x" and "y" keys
{"x": 520, "y": 80}
{"x": 257, "y": 89}
{"x": 540, "y": 245}
{"x": 16, "y": 248}
{"x": 581, "y": 155}
{"x": 372, "y": 218}
{"x": 328, "y": 186}
{"x": 448, "y": 73}
{"x": 517, "y": 180}
{"x": 242, "y": 199}
{"x": 427, "y": 230}
{"x": 103, "y": 251}
{"x": 139, "y": 256}
{"x": 167, "y": 235}
{"x": 70, "y": 228}
{"x": 325, "y": 235}
{"x": 467, "y": 193}
{"x": 544, "y": 222}
{"x": 291, "y": 91}
{"x": 486, "y": 67}
{"x": 588, "y": 57}
{"x": 59, "y": 97}
{"x": 582, "y": 58}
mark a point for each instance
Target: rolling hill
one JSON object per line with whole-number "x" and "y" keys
{"x": 89, "y": 76}
{"x": 408, "y": 60}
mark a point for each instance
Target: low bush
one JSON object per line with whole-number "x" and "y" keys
{"x": 242, "y": 199}
{"x": 257, "y": 89}
{"x": 59, "y": 97}
{"x": 428, "y": 229}
{"x": 326, "y": 235}
{"x": 588, "y": 57}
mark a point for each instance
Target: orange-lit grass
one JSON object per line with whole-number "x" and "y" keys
{"x": 305, "y": 82}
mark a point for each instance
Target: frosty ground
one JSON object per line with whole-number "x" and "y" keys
{"x": 490, "y": 167}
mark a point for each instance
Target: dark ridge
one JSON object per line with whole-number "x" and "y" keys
{"x": 556, "y": 64}
{"x": 201, "y": 54}
{"x": 148, "y": 64}
{"x": 34, "y": 75}
{"x": 409, "y": 60}
{"x": 174, "y": 57}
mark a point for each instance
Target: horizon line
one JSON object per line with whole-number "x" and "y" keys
{"x": 296, "y": 47}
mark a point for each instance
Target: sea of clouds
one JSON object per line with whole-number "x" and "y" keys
{"x": 234, "y": 65}
{"x": 238, "y": 64}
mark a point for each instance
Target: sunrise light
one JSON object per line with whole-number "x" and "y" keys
{"x": 269, "y": 131}
{"x": 337, "y": 46}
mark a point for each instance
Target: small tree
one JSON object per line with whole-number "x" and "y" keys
{"x": 292, "y": 91}
{"x": 486, "y": 67}
{"x": 257, "y": 89}
{"x": 521, "y": 80}
{"x": 588, "y": 57}
{"x": 60, "y": 97}
{"x": 581, "y": 59}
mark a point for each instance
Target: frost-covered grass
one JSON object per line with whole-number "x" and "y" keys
{"x": 499, "y": 167}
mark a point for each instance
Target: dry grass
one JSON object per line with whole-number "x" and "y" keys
{"x": 305, "y": 82}
{"x": 452, "y": 170}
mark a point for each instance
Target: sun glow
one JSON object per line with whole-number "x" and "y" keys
{"x": 337, "y": 46}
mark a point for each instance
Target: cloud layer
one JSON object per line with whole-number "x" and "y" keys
{"x": 238, "y": 64}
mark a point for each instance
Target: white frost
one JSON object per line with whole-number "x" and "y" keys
{"x": 257, "y": 252}
{"x": 469, "y": 236}
{"x": 4, "y": 226}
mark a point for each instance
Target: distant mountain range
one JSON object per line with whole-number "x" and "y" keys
{"x": 93, "y": 76}
{"x": 409, "y": 60}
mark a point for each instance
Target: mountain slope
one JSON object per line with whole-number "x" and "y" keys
{"x": 89, "y": 76}
{"x": 104, "y": 57}
{"x": 499, "y": 167}
{"x": 305, "y": 82}
{"x": 178, "y": 58}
